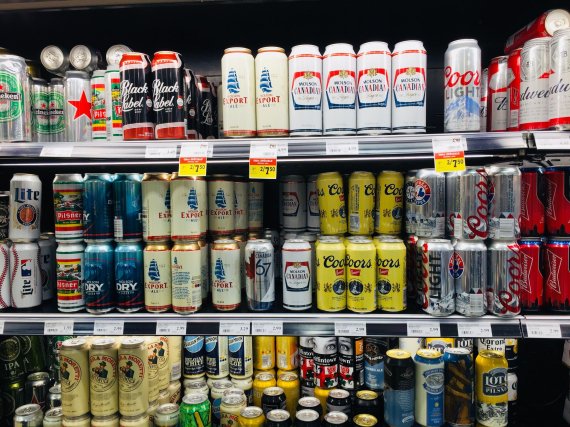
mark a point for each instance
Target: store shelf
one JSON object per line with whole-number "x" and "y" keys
{"x": 546, "y": 326}
{"x": 549, "y": 141}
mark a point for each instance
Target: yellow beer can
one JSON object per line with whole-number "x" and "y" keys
{"x": 389, "y": 202}
{"x": 491, "y": 388}
{"x": 391, "y": 274}
{"x": 332, "y": 206}
{"x": 263, "y": 353}
{"x": 361, "y": 189}
{"x": 262, "y": 381}
{"x": 290, "y": 384}
{"x": 361, "y": 275}
{"x": 287, "y": 353}
{"x": 264, "y": 371}
{"x": 440, "y": 344}
{"x": 251, "y": 416}
{"x": 331, "y": 275}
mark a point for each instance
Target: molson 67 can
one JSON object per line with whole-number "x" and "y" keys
{"x": 438, "y": 287}
{"x": 226, "y": 275}
{"x": 99, "y": 277}
{"x": 497, "y": 95}
{"x": 68, "y": 207}
{"x": 98, "y": 111}
{"x": 504, "y": 277}
{"x": 331, "y": 275}
{"x": 533, "y": 189}
{"x": 389, "y": 203}
{"x": 74, "y": 377}
{"x": 272, "y": 100}
{"x": 221, "y": 205}
{"x": 513, "y": 89}
{"x": 25, "y": 207}
{"x": 458, "y": 395}
{"x": 534, "y": 97}
{"x": 361, "y": 275}
{"x": 155, "y": 189}
{"x": 504, "y": 202}
{"x": 361, "y": 191}
{"x": 259, "y": 275}
{"x": 186, "y": 273}
{"x": 391, "y": 274}
{"x": 468, "y": 267}
{"x": 491, "y": 389}
{"x": 332, "y": 204}
{"x": 157, "y": 277}
{"x": 556, "y": 286}
{"x": 70, "y": 271}
{"x": 558, "y": 109}
{"x": 189, "y": 201}
{"x": 429, "y": 388}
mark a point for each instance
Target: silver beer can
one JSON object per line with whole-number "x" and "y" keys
{"x": 418, "y": 282}
{"x": 260, "y": 276}
{"x": 84, "y": 58}
{"x": 4, "y": 214}
{"x": 5, "y": 296}
{"x": 40, "y": 111}
{"x": 483, "y": 104}
{"x": 471, "y": 221}
{"x": 77, "y": 94}
{"x": 47, "y": 266}
{"x": 438, "y": 285}
{"x": 115, "y": 53}
{"x": 55, "y": 59}
{"x": 534, "y": 98}
{"x": 559, "y": 81}
{"x": 497, "y": 94}
{"x": 429, "y": 193}
{"x": 15, "y": 110}
{"x": 294, "y": 203}
{"x": 469, "y": 270}
{"x": 297, "y": 274}
{"x": 504, "y": 277}
{"x": 56, "y": 110}
{"x": 453, "y": 201}
{"x": 25, "y": 275}
{"x": 410, "y": 194}
{"x": 504, "y": 200}
{"x": 25, "y": 207}
{"x": 313, "y": 214}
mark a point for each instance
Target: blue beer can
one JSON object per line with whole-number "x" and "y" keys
{"x": 240, "y": 356}
{"x": 429, "y": 388}
{"x": 129, "y": 276}
{"x": 128, "y": 207}
{"x": 99, "y": 277}
{"x": 98, "y": 207}
{"x": 194, "y": 356}
{"x": 399, "y": 383}
{"x": 374, "y": 354}
{"x": 217, "y": 365}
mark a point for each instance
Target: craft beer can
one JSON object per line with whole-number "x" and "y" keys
{"x": 133, "y": 376}
{"x": 361, "y": 192}
{"x": 332, "y": 204}
{"x": 68, "y": 207}
{"x": 70, "y": 271}
{"x": 25, "y": 207}
{"x": 297, "y": 273}
{"x": 189, "y": 201}
{"x": 391, "y": 275}
{"x": 103, "y": 379}
{"x": 74, "y": 377}
{"x": 458, "y": 404}
{"x": 399, "y": 396}
{"x": 157, "y": 277}
{"x": 389, "y": 203}
{"x": 216, "y": 356}
{"x": 186, "y": 277}
{"x": 331, "y": 275}
{"x": 156, "y": 215}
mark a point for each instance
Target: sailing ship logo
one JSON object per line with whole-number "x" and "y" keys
{"x": 221, "y": 199}
{"x": 232, "y": 85}
{"x": 265, "y": 81}
{"x": 192, "y": 199}
{"x": 219, "y": 270}
{"x": 153, "y": 272}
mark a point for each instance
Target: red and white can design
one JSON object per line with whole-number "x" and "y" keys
{"x": 5, "y": 297}
{"x": 504, "y": 276}
{"x": 557, "y": 201}
{"x": 483, "y": 103}
{"x": 545, "y": 25}
{"x": 559, "y": 81}
{"x": 325, "y": 359}
{"x": 557, "y": 274}
{"x": 513, "y": 89}
{"x": 504, "y": 202}
{"x": 532, "y": 202}
{"x": 471, "y": 223}
{"x": 25, "y": 275}
{"x": 535, "y": 72}
{"x": 532, "y": 282}
{"x": 497, "y": 95}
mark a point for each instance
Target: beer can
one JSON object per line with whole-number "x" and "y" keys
{"x": 99, "y": 277}
{"x": 246, "y": 386}
{"x": 15, "y": 117}
{"x": 156, "y": 201}
{"x": 468, "y": 267}
{"x": 558, "y": 111}
{"x": 133, "y": 377}
{"x": 77, "y": 93}
{"x": 556, "y": 289}
{"x": 48, "y": 265}
{"x": 4, "y": 214}
{"x": 544, "y": 25}
{"x": 325, "y": 362}
{"x": 129, "y": 277}
{"x": 55, "y": 59}
{"x": 162, "y": 345}
{"x": 255, "y": 206}
{"x": 29, "y": 415}
{"x": 74, "y": 377}
{"x": 85, "y": 58}
{"x": 410, "y": 207}
{"x": 287, "y": 353}
{"x": 216, "y": 351}
{"x": 332, "y": 205}
{"x": 53, "y": 417}
{"x": 98, "y": 108}
{"x": 225, "y": 275}
{"x": 513, "y": 383}
{"x": 389, "y": 202}
{"x": 157, "y": 277}
{"x": 70, "y": 272}
{"x": 533, "y": 189}
{"x": 294, "y": 203}
{"x": 504, "y": 276}
{"x": 5, "y": 287}
{"x": 458, "y": 395}
{"x": 532, "y": 266}
{"x": 98, "y": 207}
{"x": 306, "y": 363}
{"x": 331, "y": 275}
{"x": 55, "y": 110}
{"x": 191, "y": 93}
{"x": 534, "y": 97}
{"x": 313, "y": 215}
{"x": 103, "y": 380}
{"x": 429, "y": 189}
{"x": 241, "y": 188}
{"x": 497, "y": 95}
{"x": 194, "y": 357}
{"x": 136, "y": 96}
{"x": 491, "y": 389}
{"x": 439, "y": 344}
{"x": 399, "y": 387}
{"x": 240, "y": 356}
{"x": 68, "y": 207}
{"x": 113, "y": 106}
{"x": 483, "y": 105}
{"x": 264, "y": 352}
{"x": 25, "y": 207}
{"x": 297, "y": 274}
{"x": 128, "y": 207}
{"x": 262, "y": 381}
{"x": 471, "y": 221}
{"x": 374, "y": 359}
{"x": 504, "y": 202}
{"x": 25, "y": 275}
{"x": 391, "y": 275}
{"x": 186, "y": 273}
{"x": 260, "y": 277}
{"x": 189, "y": 207}
{"x": 361, "y": 193}
{"x": 557, "y": 207}
{"x": 168, "y": 95}
{"x": 40, "y": 110}
{"x": 361, "y": 276}
{"x": 351, "y": 363}
{"x": 206, "y": 126}
{"x": 429, "y": 374}
{"x": 513, "y": 89}
{"x": 151, "y": 345}
{"x": 438, "y": 287}
{"x": 36, "y": 388}
{"x": 221, "y": 204}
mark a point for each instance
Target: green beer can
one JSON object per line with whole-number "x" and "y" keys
{"x": 195, "y": 411}
{"x": 11, "y": 360}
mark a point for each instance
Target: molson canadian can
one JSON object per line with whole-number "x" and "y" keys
{"x": 332, "y": 204}
{"x": 98, "y": 111}
{"x": 391, "y": 274}
{"x": 25, "y": 207}
{"x": 74, "y": 377}
{"x": 491, "y": 389}
{"x": 103, "y": 380}
{"x": 70, "y": 285}
{"x": 189, "y": 200}
{"x": 186, "y": 274}
{"x": 157, "y": 277}
{"x": 325, "y": 362}
{"x": 68, "y": 207}
{"x": 272, "y": 100}
{"x": 133, "y": 377}
{"x": 389, "y": 203}
{"x": 361, "y": 192}
{"x": 361, "y": 275}
{"x": 331, "y": 275}
{"x": 226, "y": 275}
{"x": 155, "y": 189}
{"x": 221, "y": 205}
{"x": 294, "y": 203}
{"x": 429, "y": 388}
{"x": 297, "y": 275}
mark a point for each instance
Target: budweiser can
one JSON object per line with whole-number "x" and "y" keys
{"x": 409, "y": 65}
{"x": 532, "y": 281}
{"x": 77, "y": 93}
{"x": 410, "y": 194}
{"x": 504, "y": 199}
{"x": 25, "y": 207}
{"x": 221, "y": 204}
{"x": 155, "y": 189}
{"x": 25, "y": 275}
{"x": 462, "y": 78}
{"x": 429, "y": 192}
{"x": 438, "y": 287}
{"x": 260, "y": 276}
{"x": 305, "y": 84}
{"x": 241, "y": 206}
{"x": 136, "y": 96}
{"x": 297, "y": 275}
{"x": 374, "y": 103}
{"x": 68, "y": 207}
{"x": 453, "y": 201}
{"x": 5, "y": 291}
{"x": 532, "y": 202}
{"x": 339, "y": 71}
{"x": 559, "y": 81}
{"x": 98, "y": 110}
{"x": 272, "y": 100}
{"x": 70, "y": 286}
{"x": 545, "y": 25}
{"x": 471, "y": 222}
{"x": 255, "y": 206}
{"x": 497, "y": 95}
{"x": 225, "y": 272}
{"x": 513, "y": 89}
{"x": 535, "y": 69}
{"x": 168, "y": 95}
{"x": 557, "y": 273}
{"x": 189, "y": 201}
{"x": 504, "y": 277}
{"x": 557, "y": 201}
{"x": 113, "y": 108}
{"x": 294, "y": 203}
{"x": 468, "y": 266}
{"x": 483, "y": 104}
{"x": 313, "y": 215}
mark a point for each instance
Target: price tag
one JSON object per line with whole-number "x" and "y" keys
{"x": 210, "y": 152}
{"x": 108, "y": 328}
{"x": 449, "y": 153}
{"x": 424, "y": 329}
{"x": 57, "y": 151}
{"x": 263, "y": 160}
{"x": 169, "y": 327}
{"x": 58, "y": 327}
{"x": 267, "y": 328}
{"x": 193, "y": 159}
{"x": 543, "y": 330}
{"x": 350, "y": 329}
{"x": 337, "y": 147}
{"x": 160, "y": 152}
{"x": 560, "y": 142}
{"x": 475, "y": 330}
{"x": 235, "y": 328}
{"x": 282, "y": 149}
{"x": 1, "y": 327}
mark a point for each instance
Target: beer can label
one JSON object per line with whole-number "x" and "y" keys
{"x": 114, "y": 111}
{"x": 226, "y": 278}
{"x": 69, "y": 280}
{"x": 351, "y": 363}
{"x": 217, "y": 364}
{"x": 391, "y": 277}
{"x": 13, "y": 97}
{"x": 56, "y": 118}
{"x": 221, "y": 206}
{"x": 133, "y": 386}
{"x": 68, "y": 206}
{"x": 74, "y": 383}
{"x": 25, "y": 207}
{"x": 240, "y": 356}
{"x": 409, "y": 87}
{"x": 361, "y": 278}
{"x": 194, "y": 361}
{"x": 98, "y": 110}
{"x": 189, "y": 202}
{"x": 103, "y": 384}
{"x": 326, "y": 370}
{"x": 297, "y": 278}
{"x": 156, "y": 210}
{"x": 157, "y": 280}
{"x": 287, "y": 353}
{"x": 238, "y": 71}
{"x": 186, "y": 281}
{"x": 331, "y": 280}
{"x": 152, "y": 357}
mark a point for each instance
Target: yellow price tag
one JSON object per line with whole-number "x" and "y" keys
{"x": 193, "y": 159}
{"x": 263, "y": 168}
{"x": 450, "y": 162}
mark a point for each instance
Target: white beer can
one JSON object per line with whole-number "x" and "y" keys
{"x": 238, "y": 76}
{"x": 25, "y": 275}
{"x": 241, "y": 205}
{"x": 70, "y": 286}
{"x": 294, "y": 202}
{"x": 313, "y": 214}
{"x": 559, "y": 81}
{"x": 221, "y": 205}
{"x": 255, "y": 206}
{"x": 157, "y": 277}
{"x": 374, "y": 100}
{"x": 297, "y": 272}
{"x": 409, "y": 64}
{"x": 5, "y": 297}
{"x": 339, "y": 71}
{"x": 483, "y": 104}
{"x": 311, "y": 237}
{"x": 305, "y": 84}
{"x": 47, "y": 266}
{"x": 205, "y": 267}
{"x": 25, "y": 207}
{"x": 535, "y": 69}
{"x": 155, "y": 188}
{"x": 226, "y": 275}
{"x": 189, "y": 200}
{"x": 497, "y": 94}
{"x": 113, "y": 103}
{"x": 271, "y": 92}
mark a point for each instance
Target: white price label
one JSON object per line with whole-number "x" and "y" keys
{"x": 58, "y": 327}
{"x": 424, "y": 329}
{"x": 210, "y": 149}
{"x": 194, "y": 149}
{"x": 1, "y": 327}
{"x": 267, "y": 328}
{"x": 108, "y": 328}
{"x": 57, "y": 151}
{"x": 235, "y": 328}
{"x": 559, "y": 142}
{"x": 474, "y": 330}
{"x": 160, "y": 152}
{"x": 543, "y": 330}
{"x": 169, "y": 327}
{"x": 349, "y": 329}
{"x": 282, "y": 149}
{"x": 337, "y": 147}
{"x": 263, "y": 150}
{"x": 444, "y": 144}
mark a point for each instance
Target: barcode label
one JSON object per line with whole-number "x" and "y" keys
{"x": 354, "y": 221}
{"x": 543, "y": 330}
{"x": 165, "y": 327}
{"x": 474, "y": 330}
{"x": 349, "y": 329}
{"x": 118, "y": 228}
{"x": 424, "y": 329}
{"x": 506, "y": 227}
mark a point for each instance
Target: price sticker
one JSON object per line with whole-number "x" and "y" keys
{"x": 449, "y": 153}
{"x": 267, "y": 328}
{"x": 543, "y": 330}
{"x": 424, "y": 329}
{"x": 263, "y": 160}
{"x": 475, "y": 330}
{"x": 282, "y": 149}
{"x": 58, "y": 327}
{"x": 338, "y": 147}
{"x": 108, "y": 328}
{"x": 169, "y": 327}
{"x": 160, "y": 151}
{"x": 57, "y": 151}
{"x": 349, "y": 329}
{"x": 559, "y": 142}
{"x": 193, "y": 159}
{"x": 235, "y": 328}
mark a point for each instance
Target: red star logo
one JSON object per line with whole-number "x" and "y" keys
{"x": 82, "y": 107}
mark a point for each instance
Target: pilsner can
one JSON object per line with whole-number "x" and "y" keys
{"x": 133, "y": 376}
{"x": 391, "y": 275}
{"x": 77, "y": 93}
{"x": 462, "y": 84}
{"x": 294, "y": 203}
{"x": 429, "y": 189}
{"x": 103, "y": 379}
{"x": 68, "y": 207}
{"x": 40, "y": 110}
{"x": 513, "y": 89}
{"x": 189, "y": 202}
{"x": 113, "y": 105}
{"x": 221, "y": 205}
{"x": 504, "y": 201}
{"x": 25, "y": 275}
{"x": 410, "y": 206}
{"x": 468, "y": 266}
{"x": 70, "y": 271}
{"x": 305, "y": 85}
{"x": 361, "y": 192}
{"x": 491, "y": 388}
{"x": 497, "y": 95}
{"x": 259, "y": 275}
{"x": 56, "y": 108}
{"x": 98, "y": 108}
{"x": 374, "y": 101}
{"x": 559, "y": 81}
{"x": 339, "y": 101}
{"x": 156, "y": 201}
{"x": 389, "y": 202}
{"x": 74, "y": 377}
{"x": 452, "y": 201}
{"x": 238, "y": 74}
{"x": 471, "y": 222}
{"x": 409, "y": 66}
{"x": 535, "y": 71}
{"x": 186, "y": 277}
{"x": 255, "y": 206}
{"x": 15, "y": 115}
{"x": 361, "y": 275}
{"x": 241, "y": 187}
{"x": 297, "y": 275}
{"x": 136, "y": 96}
{"x": 272, "y": 100}
{"x": 438, "y": 287}
{"x": 157, "y": 277}
{"x": 504, "y": 278}
{"x": 483, "y": 104}
{"x": 332, "y": 205}
{"x": 331, "y": 275}
{"x": 429, "y": 373}
{"x": 25, "y": 207}
{"x": 5, "y": 291}
{"x": 225, "y": 275}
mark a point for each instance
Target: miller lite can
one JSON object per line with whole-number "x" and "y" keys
{"x": 25, "y": 275}
{"x": 136, "y": 96}
{"x": 497, "y": 95}
{"x": 534, "y": 98}
{"x": 504, "y": 202}
{"x": 25, "y": 207}
{"x": 483, "y": 104}
{"x": 513, "y": 89}
{"x": 77, "y": 94}
{"x": 471, "y": 220}
{"x": 438, "y": 285}
{"x": 559, "y": 81}
{"x": 504, "y": 277}
{"x": 429, "y": 193}
{"x": 468, "y": 266}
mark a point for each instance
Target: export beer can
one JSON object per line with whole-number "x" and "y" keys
{"x": 70, "y": 272}
{"x": 504, "y": 202}
{"x": 410, "y": 220}
{"x": 497, "y": 95}
{"x": 260, "y": 275}
{"x": 98, "y": 207}
{"x": 361, "y": 275}
{"x": 484, "y": 94}
{"x": 40, "y": 110}
{"x": 504, "y": 277}
{"x": 25, "y": 207}
{"x": 332, "y": 204}
{"x": 240, "y": 356}
{"x": 351, "y": 363}
{"x": 189, "y": 199}
{"x": 294, "y": 203}
{"x": 534, "y": 97}
{"x": 25, "y": 275}
{"x": 221, "y": 205}
{"x": 157, "y": 277}
{"x": 5, "y": 287}
{"x": 391, "y": 275}
{"x": 389, "y": 202}
{"x": 313, "y": 214}
{"x": 297, "y": 275}
{"x": 429, "y": 189}
{"x": 98, "y": 108}
{"x": 241, "y": 187}
{"x": 225, "y": 275}
{"x": 533, "y": 264}
{"x": 15, "y": 117}
{"x": 77, "y": 93}
{"x": 56, "y": 106}
{"x": 438, "y": 290}
{"x": 557, "y": 271}
{"x": 216, "y": 351}
{"x": 471, "y": 221}
{"x": 399, "y": 396}
{"x": 113, "y": 104}
{"x": 458, "y": 395}
{"x": 48, "y": 265}
{"x": 325, "y": 362}
{"x": 491, "y": 389}
{"x": 513, "y": 89}
{"x": 68, "y": 207}
{"x": 103, "y": 378}
{"x": 156, "y": 201}
{"x": 74, "y": 377}
{"x": 361, "y": 193}
{"x": 128, "y": 207}
{"x": 132, "y": 369}
{"x": 452, "y": 202}
{"x": 186, "y": 273}
{"x": 559, "y": 79}
{"x": 99, "y": 277}
{"x": 331, "y": 275}
{"x": 129, "y": 277}
{"x": 533, "y": 186}
{"x": 255, "y": 206}
{"x": 468, "y": 267}
{"x": 429, "y": 401}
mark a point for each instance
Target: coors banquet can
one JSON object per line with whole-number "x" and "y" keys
{"x": 15, "y": 115}
{"x": 389, "y": 202}
{"x": 332, "y": 205}
{"x": 272, "y": 100}
{"x": 391, "y": 274}
{"x": 136, "y": 96}
{"x": 361, "y": 192}
{"x": 25, "y": 207}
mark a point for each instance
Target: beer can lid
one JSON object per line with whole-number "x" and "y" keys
{"x": 307, "y": 415}
{"x": 305, "y": 49}
{"x": 338, "y": 393}
{"x": 408, "y": 45}
{"x": 366, "y": 395}
{"x": 537, "y": 41}
{"x": 73, "y": 343}
{"x": 464, "y": 42}
{"x": 561, "y": 32}
{"x": 557, "y": 19}
{"x": 233, "y": 391}
{"x": 193, "y": 399}
{"x": 271, "y": 49}
{"x": 273, "y": 391}
{"x": 335, "y": 48}
{"x": 56, "y": 412}
{"x": 335, "y": 417}
{"x": 234, "y": 399}
{"x": 30, "y": 408}
{"x": 222, "y": 384}
{"x": 365, "y": 420}
{"x": 373, "y": 47}
{"x": 278, "y": 415}
{"x": 398, "y": 354}
{"x": 288, "y": 376}
{"x": 309, "y": 401}
{"x": 80, "y": 56}
{"x": 102, "y": 343}
{"x": 237, "y": 50}
{"x": 251, "y": 412}
{"x": 428, "y": 353}
{"x": 457, "y": 350}
{"x": 115, "y": 53}
{"x": 55, "y": 389}
{"x": 169, "y": 408}
{"x": 53, "y": 57}
{"x": 132, "y": 342}
{"x": 98, "y": 74}
{"x": 38, "y": 376}
{"x": 39, "y": 82}
{"x": 265, "y": 376}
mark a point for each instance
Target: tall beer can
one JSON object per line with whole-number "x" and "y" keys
{"x": 98, "y": 108}
{"x": 535, "y": 71}
{"x": 294, "y": 203}
{"x": 361, "y": 275}
{"x": 544, "y": 25}
{"x": 332, "y": 204}
{"x": 25, "y": 207}
{"x": 399, "y": 393}
{"x": 189, "y": 200}
{"x": 430, "y": 203}
{"x": 361, "y": 192}
{"x": 339, "y": 102}
{"x": 559, "y": 81}
{"x": 104, "y": 382}
{"x": 206, "y": 116}
{"x": 70, "y": 285}
{"x": 136, "y": 96}
{"x": 491, "y": 389}
{"x": 221, "y": 205}
{"x": 410, "y": 206}
{"x": 331, "y": 275}
{"x": 513, "y": 89}
{"x": 452, "y": 201}
{"x": 409, "y": 66}
{"x": 191, "y": 93}
{"x": 56, "y": 108}
{"x": 74, "y": 373}
{"x": 241, "y": 188}
{"x": 238, "y": 76}
{"x": 47, "y": 265}
{"x": 225, "y": 275}
{"x": 255, "y": 206}
{"x": 157, "y": 277}
{"x": 129, "y": 277}
{"x": 113, "y": 105}
{"x": 471, "y": 222}
{"x": 77, "y": 93}
{"x": 68, "y": 207}
{"x": 389, "y": 202}
{"x": 128, "y": 207}
{"x": 155, "y": 188}
{"x": 313, "y": 215}
{"x": 187, "y": 280}
{"x": 391, "y": 275}
{"x": 504, "y": 202}
{"x": 259, "y": 275}
{"x": 5, "y": 291}
{"x": 99, "y": 277}
{"x": 40, "y": 110}
{"x": 15, "y": 114}
{"x": 438, "y": 293}
{"x": 297, "y": 275}
{"x": 25, "y": 275}
{"x": 462, "y": 78}
{"x": 271, "y": 92}
{"x": 458, "y": 405}
{"x": 468, "y": 266}
{"x": 133, "y": 376}
{"x": 429, "y": 388}
{"x": 483, "y": 104}
{"x": 374, "y": 100}
{"x": 55, "y": 59}
{"x": 504, "y": 278}
{"x": 305, "y": 85}
{"x": 98, "y": 206}
{"x": 497, "y": 95}
{"x": 85, "y": 58}
{"x": 4, "y": 214}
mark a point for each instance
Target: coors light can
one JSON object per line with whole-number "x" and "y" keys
{"x": 504, "y": 202}
{"x": 471, "y": 221}
{"x": 504, "y": 277}
{"x": 438, "y": 286}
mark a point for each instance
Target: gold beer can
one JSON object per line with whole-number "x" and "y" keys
{"x": 332, "y": 206}
{"x": 287, "y": 352}
{"x": 331, "y": 275}
{"x": 361, "y": 191}
{"x": 108, "y": 421}
{"x": 155, "y": 191}
{"x": 262, "y": 381}
{"x": 133, "y": 377}
{"x": 157, "y": 277}
{"x": 152, "y": 365}
{"x": 73, "y": 369}
{"x": 389, "y": 202}
{"x": 491, "y": 388}
{"x": 81, "y": 421}
{"x": 103, "y": 384}
{"x": 163, "y": 347}
{"x": 186, "y": 265}
{"x": 263, "y": 353}
{"x": 361, "y": 275}
{"x": 251, "y": 416}
{"x": 175, "y": 357}
{"x": 290, "y": 384}
{"x": 391, "y": 275}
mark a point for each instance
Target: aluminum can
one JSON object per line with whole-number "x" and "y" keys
{"x": 389, "y": 202}
{"x": 313, "y": 215}
{"x": 271, "y": 87}
{"x": 458, "y": 403}
{"x": 225, "y": 275}
{"x": 167, "y": 415}
{"x": 374, "y": 103}
{"x": 532, "y": 265}
{"x": 504, "y": 277}
{"x": 136, "y": 96}
{"x": 264, "y": 352}
{"x": 310, "y": 403}
{"x": 452, "y": 202}
{"x": 40, "y": 110}
{"x": 338, "y": 400}
{"x": 191, "y": 88}
{"x": 535, "y": 69}
{"x": 128, "y": 207}
{"x": 556, "y": 286}
{"x": 133, "y": 377}
{"x": 331, "y": 275}
{"x": 175, "y": 359}
{"x": 468, "y": 267}
{"x": 29, "y": 415}
{"x": 189, "y": 207}
{"x": 25, "y": 207}
{"x": 557, "y": 205}
{"x": 32, "y": 352}
{"x": 5, "y": 287}
{"x": 156, "y": 201}
{"x": 306, "y": 363}
{"x": 151, "y": 344}
{"x": 305, "y": 85}
{"x": 162, "y": 351}
{"x": 68, "y": 207}
{"x": 332, "y": 205}
{"x": 74, "y": 377}
{"x": 13, "y": 369}
{"x": 294, "y": 203}
{"x": 115, "y": 53}
{"x": 438, "y": 288}
{"x": 513, "y": 89}
{"x": 216, "y": 351}
{"x": 205, "y": 268}
{"x": 497, "y": 95}
{"x": 513, "y": 382}
{"x": 25, "y": 275}
{"x": 15, "y": 116}
{"x": 262, "y": 381}
{"x": 36, "y": 388}
{"x": 399, "y": 389}
{"x": 221, "y": 204}
{"x": 273, "y": 399}
{"x": 483, "y": 104}
{"x": 53, "y": 417}
{"x": 462, "y": 84}
{"x": 240, "y": 356}
{"x": 361, "y": 275}
{"x": 246, "y": 386}
{"x": 297, "y": 274}
{"x": 409, "y": 66}
{"x": 491, "y": 389}
{"x": 559, "y": 80}
{"x": 186, "y": 277}
{"x": 55, "y": 59}
{"x": 241, "y": 187}
{"x": 48, "y": 247}
{"x": 287, "y": 353}
{"x": 98, "y": 207}
{"x": 4, "y": 214}
{"x": 168, "y": 95}
{"x": 495, "y": 344}
{"x": 278, "y": 418}
{"x": 77, "y": 93}
{"x": 325, "y": 359}
{"x": 70, "y": 271}
{"x": 230, "y": 408}
{"x": 391, "y": 275}
{"x": 238, "y": 74}
{"x": 241, "y": 240}
{"x": 98, "y": 107}
{"x": 113, "y": 107}
{"x": 85, "y": 58}
{"x": 251, "y": 416}
{"x": 361, "y": 192}
{"x": 307, "y": 418}
{"x": 157, "y": 277}
{"x": 471, "y": 222}
{"x": 429, "y": 374}
{"x": 410, "y": 220}
{"x": 129, "y": 277}
{"x": 206, "y": 113}
{"x": 260, "y": 276}
{"x": 533, "y": 186}
{"x": 351, "y": 363}
{"x": 504, "y": 202}
{"x": 99, "y": 277}
{"x": 430, "y": 203}
{"x": 374, "y": 358}
{"x": 103, "y": 380}
{"x": 255, "y": 206}
{"x": 544, "y": 25}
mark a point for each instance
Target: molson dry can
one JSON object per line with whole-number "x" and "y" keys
{"x": 491, "y": 389}
{"x": 103, "y": 384}
{"x": 68, "y": 207}
{"x": 389, "y": 203}
{"x": 391, "y": 274}
{"x": 332, "y": 205}
{"x": 186, "y": 274}
{"x": 189, "y": 199}
{"x": 157, "y": 278}
{"x": 331, "y": 275}
{"x": 361, "y": 275}
{"x": 221, "y": 205}
{"x": 271, "y": 90}
{"x": 361, "y": 190}
{"x": 74, "y": 377}
{"x": 133, "y": 377}
{"x": 155, "y": 189}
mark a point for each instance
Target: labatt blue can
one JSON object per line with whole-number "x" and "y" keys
{"x": 99, "y": 277}
{"x": 399, "y": 383}
{"x": 458, "y": 397}
{"x": 98, "y": 207}
{"x": 429, "y": 388}
{"x": 194, "y": 356}
{"x": 129, "y": 276}
{"x": 128, "y": 207}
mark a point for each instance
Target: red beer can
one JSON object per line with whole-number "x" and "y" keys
{"x": 532, "y": 282}
{"x": 557, "y": 273}
{"x": 497, "y": 95}
{"x": 557, "y": 201}
{"x": 513, "y": 89}
{"x": 543, "y": 26}
{"x": 532, "y": 202}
